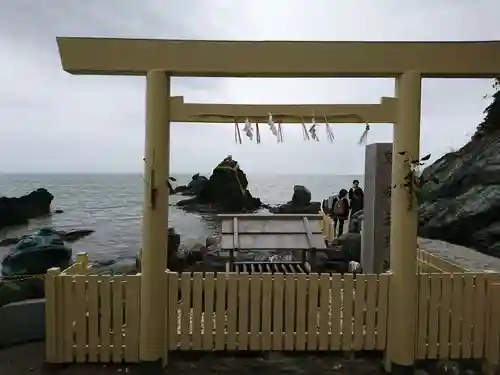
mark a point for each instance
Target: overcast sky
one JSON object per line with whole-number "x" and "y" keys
{"x": 51, "y": 121}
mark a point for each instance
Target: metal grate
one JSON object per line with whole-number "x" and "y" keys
{"x": 271, "y": 267}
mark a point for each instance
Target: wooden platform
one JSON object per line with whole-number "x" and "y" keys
{"x": 301, "y": 235}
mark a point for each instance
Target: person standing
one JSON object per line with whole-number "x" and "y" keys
{"x": 356, "y": 197}
{"x": 327, "y": 205}
{"x": 340, "y": 211}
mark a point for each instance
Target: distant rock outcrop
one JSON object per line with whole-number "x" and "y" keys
{"x": 194, "y": 187}
{"x": 300, "y": 203}
{"x": 225, "y": 191}
{"x": 18, "y": 211}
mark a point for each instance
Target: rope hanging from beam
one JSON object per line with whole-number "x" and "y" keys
{"x": 257, "y": 132}
{"x": 364, "y": 137}
{"x": 304, "y": 130}
{"x": 275, "y": 122}
{"x": 279, "y": 137}
{"x": 237, "y": 134}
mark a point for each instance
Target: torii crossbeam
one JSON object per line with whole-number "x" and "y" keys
{"x": 313, "y": 114}
{"x": 383, "y": 113}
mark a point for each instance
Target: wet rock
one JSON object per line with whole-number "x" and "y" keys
{"x": 225, "y": 191}
{"x": 174, "y": 261}
{"x": 300, "y": 203}
{"x": 67, "y": 236}
{"x": 21, "y": 290}
{"x": 290, "y": 208}
{"x": 35, "y": 254}
{"x": 18, "y": 211}
{"x": 301, "y": 195}
{"x": 194, "y": 187}
{"x": 356, "y": 222}
{"x": 349, "y": 245}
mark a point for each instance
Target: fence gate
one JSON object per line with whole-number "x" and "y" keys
{"x": 266, "y": 311}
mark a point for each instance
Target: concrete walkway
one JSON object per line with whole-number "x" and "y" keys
{"x": 463, "y": 256}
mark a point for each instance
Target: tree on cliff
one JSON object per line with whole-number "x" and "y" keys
{"x": 491, "y": 122}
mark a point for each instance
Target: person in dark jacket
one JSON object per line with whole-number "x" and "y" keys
{"x": 356, "y": 197}
{"x": 340, "y": 211}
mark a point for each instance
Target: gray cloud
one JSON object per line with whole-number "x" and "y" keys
{"x": 52, "y": 121}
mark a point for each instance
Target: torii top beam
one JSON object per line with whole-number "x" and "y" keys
{"x": 384, "y": 113}
{"x": 113, "y": 56}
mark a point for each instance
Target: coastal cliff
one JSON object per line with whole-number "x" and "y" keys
{"x": 464, "y": 206}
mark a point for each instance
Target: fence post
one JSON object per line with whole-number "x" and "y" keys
{"x": 52, "y": 342}
{"x": 166, "y": 328}
{"x": 492, "y": 346}
{"x": 82, "y": 259}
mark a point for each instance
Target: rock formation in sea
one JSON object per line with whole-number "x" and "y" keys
{"x": 67, "y": 236}
{"x": 225, "y": 191}
{"x": 177, "y": 261}
{"x": 18, "y": 211}
{"x": 34, "y": 261}
{"x": 300, "y": 204}
{"x": 194, "y": 187}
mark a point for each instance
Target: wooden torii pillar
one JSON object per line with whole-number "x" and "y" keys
{"x": 158, "y": 60}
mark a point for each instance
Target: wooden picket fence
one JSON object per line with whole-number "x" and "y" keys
{"x": 96, "y": 318}
{"x": 91, "y": 318}
{"x": 431, "y": 263}
{"x": 293, "y": 312}
{"x": 456, "y": 316}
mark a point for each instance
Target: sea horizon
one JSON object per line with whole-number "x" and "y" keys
{"x": 171, "y": 173}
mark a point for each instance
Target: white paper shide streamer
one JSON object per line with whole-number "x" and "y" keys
{"x": 310, "y": 132}
{"x": 313, "y": 130}
{"x": 247, "y": 129}
{"x": 272, "y": 125}
{"x": 329, "y": 131}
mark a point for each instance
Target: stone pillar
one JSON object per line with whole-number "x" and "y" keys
{"x": 155, "y": 216}
{"x": 404, "y": 227}
{"x": 375, "y": 240}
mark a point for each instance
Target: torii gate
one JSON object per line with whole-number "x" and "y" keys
{"x": 159, "y": 60}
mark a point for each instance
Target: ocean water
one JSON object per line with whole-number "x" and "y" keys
{"x": 112, "y": 206}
